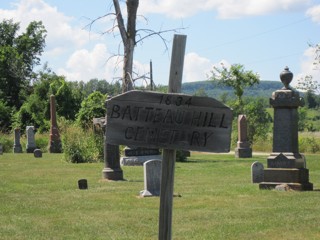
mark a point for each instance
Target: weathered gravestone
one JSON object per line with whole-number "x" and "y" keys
{"x": 243, "y": 149}
{"x": 17, "y": 148}
{"x": 1, "y": 149}
{"x": 55, "y": 141}
{"x": 152, "y": 178}
{"x": 285, "y": 163}
{"x": 37, "y": 153}
{"x": 257, "y": 172}
{"x": 138, "y": 156}
{"x": 31, "y": 143}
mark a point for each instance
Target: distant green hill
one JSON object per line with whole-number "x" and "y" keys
{"x": 212, "y": 89}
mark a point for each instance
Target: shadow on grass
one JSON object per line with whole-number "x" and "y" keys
{"x": 221, "y": 161}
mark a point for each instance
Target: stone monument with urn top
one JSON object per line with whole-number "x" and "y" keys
{"x": 285, "y": 164}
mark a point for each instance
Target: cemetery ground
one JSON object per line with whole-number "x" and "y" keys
{"x": 40, "y": 199}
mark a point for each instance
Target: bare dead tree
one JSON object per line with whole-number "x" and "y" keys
{"x": 130, "y": 37}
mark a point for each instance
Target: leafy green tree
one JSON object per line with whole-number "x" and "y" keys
{"x": 311, "y": 88}
{"x": 91, "y": 107}
{"x": 258, "y": 118}
{"x": 68, "y": 101}
{"x": 36, "y": 108}
{"x": 201, "y": 92}
{"x": 102, "y": 86}
{"x": 18, "y": 56}
{"x": 5, "y": 113}
{"x": 236, "y": 77}
{"x": 302, "y": 116}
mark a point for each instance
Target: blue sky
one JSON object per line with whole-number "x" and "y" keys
{"x": 263, "y": 35}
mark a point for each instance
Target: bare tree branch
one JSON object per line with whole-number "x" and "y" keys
{"x": 120, "y": 21}
{"x": 151, "y": 33}
{"x": 89, "y": 26}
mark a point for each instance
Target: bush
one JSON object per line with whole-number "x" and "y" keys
{"x": 42, "y": 141}
{"x": 91, "y": 107}
{"x": 80, "y": 146}
{"x": 7, "y": 143}
{"x": 181, "y": 156}
{"x": 309, "y": 145}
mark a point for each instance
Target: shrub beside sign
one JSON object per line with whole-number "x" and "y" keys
{"x": 171, "y": 121}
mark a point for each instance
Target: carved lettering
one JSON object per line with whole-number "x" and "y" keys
{"x": 172, "y": 121}
{"x": 115, "y": 111}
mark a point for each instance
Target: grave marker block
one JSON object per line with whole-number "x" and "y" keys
{"x": 31, "y": 143}
{"x": 257, "y": 172}
{"x": 17, "y": 148}
{"x": 152, "y": 178}
{"x": 37, "y": 153}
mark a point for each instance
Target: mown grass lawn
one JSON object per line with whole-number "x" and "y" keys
{"x": 40, "y": 199}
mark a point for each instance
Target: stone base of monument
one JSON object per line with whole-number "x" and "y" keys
{"x": 30, "y": 149}
{"x": 293, "y": 186}
{"x": 146, "y": 193}
{"x": 286, "y": 160}
{"x": 243, "y": 152}
{"x": 112, "y": 174}
{"x": 286, "y": 168}
{"x": 138, "y": 160}
{"x": 17, "y": 149}
{"x": 55, "y": 147}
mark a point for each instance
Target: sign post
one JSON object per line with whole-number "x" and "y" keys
{"x": 169, "y": 155}
{"x": 170, "y": 121}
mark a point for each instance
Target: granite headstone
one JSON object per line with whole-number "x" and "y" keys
{"x": 257, "y": 172}
{"x": 152, "y": 178}
{"x": 17, "y": 148}
{"x": 31, "y": 143}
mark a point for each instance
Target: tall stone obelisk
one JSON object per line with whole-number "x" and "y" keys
{"x": 285, "y": 164}
{"x": 55, "y": 142}
{"x": 243, "y": 149}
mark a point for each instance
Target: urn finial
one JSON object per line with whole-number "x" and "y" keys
{"x": 286, "y": 77}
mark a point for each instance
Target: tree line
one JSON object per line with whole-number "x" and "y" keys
{"x": 24, "y": 93}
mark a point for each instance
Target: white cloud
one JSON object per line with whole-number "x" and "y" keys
{"x": 84, "y": 64}
{"x": 307, "y": 66}
{"x": 197, "y": 68}
{"x": 314, "y": 13}
{"x": 60, "y": 32}
{"x": 224, "y": 8}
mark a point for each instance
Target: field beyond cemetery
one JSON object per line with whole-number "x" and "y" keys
{"x": 40, "y": 199}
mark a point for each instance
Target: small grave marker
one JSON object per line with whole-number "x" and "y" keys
{"x": 83, "y": 184}
{"x": 37, "y": 153}
{"x": 257, "y": 172}
{"x": 152, "y": 178}
{"x": 31, "y": 143}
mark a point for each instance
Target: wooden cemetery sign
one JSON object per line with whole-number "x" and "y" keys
{"x": 168, "y": 120}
